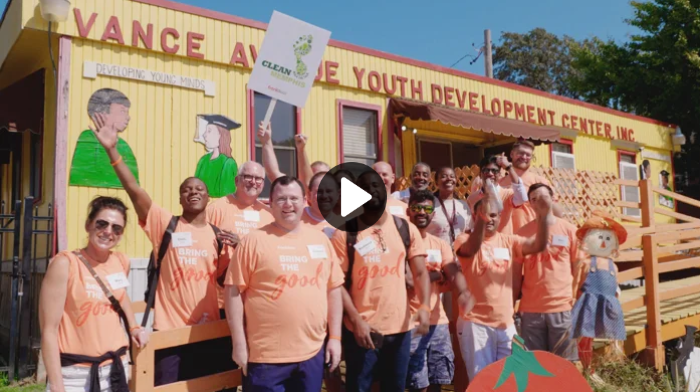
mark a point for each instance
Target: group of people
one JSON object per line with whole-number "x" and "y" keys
{"x": 299, "y": 295}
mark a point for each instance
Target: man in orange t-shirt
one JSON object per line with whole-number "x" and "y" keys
{"x": 285, "y": 280}
{"x": 186, "y": 293}
{"x": 375, "y": 297}
{"x": 545, "y": 306}
{"x": 432, "y": 359}
{"x": 510, "y": 199}
{"x": 485, "y": 332}
{"x": 521, "y": 155}
{"x": 386, "y": 172}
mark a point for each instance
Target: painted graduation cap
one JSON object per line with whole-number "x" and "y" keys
{"x": 217, "y": 119}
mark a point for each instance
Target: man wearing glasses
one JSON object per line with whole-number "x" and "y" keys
{"x": 432, "y": 359}
{"x": 522, "y": 155}
{"x": 285, "y": 281}
{"x": 507, "y": 200}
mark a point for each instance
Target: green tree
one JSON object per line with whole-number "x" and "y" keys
{"x": 537, "y": 59}
{"x": 655, "y": 74}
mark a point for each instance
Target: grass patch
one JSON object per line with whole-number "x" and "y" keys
{"x": 25, "y": 388}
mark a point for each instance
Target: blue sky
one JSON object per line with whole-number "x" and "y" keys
{"x": 438, "y": 31}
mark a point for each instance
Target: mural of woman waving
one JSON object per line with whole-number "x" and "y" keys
{"x": 217, "y": 169}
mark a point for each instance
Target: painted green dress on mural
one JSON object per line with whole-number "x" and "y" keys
{"x": 219, "y": 174}
{"x": 91, "y": 166}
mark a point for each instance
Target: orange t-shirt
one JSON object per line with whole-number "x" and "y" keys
{"x": 89, "y": 325}
{"x": 379, "y": 274}
{"x": 322, "y": 224}
{"x": 506, "y": 196}
{"x": 396, "y": 207}
{"x": 229, "y": 214}
{"x": 285, "y": 278}
{"x": 547, "y": 276}
{"x": 438, "y": 256}
{"x": 489, "y": 275}
{"x": 524, "y": 214}
{"x": 187, "y": 287}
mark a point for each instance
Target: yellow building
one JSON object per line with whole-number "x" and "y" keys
{"x": 178, "y": 65}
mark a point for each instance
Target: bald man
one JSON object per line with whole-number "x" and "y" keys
{"x": 386, "y": 172}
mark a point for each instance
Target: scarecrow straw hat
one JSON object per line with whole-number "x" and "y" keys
{"x": 601, "y": 220}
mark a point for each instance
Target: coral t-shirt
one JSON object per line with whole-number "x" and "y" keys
{"x": 396, "y": 207}
{"x": 89, "y": 325}
{"x": 379, "y": 274}
{"x": 439, "y": 255}
{"x": 187, "y": 292}
{"x": 547, "y": 276}
{"x": 317, "y": 223}
{"x": 489, "y": 275}
{"x": 229, "y": 214}
{"x": 506, "y": 196}
{"x": 525, "y": 213}
{"x": 284, "y": 279}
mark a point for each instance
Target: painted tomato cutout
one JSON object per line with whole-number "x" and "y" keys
{"x": 530, "y": 371}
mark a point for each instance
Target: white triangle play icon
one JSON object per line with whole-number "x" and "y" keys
{"x": 352, "y": 197}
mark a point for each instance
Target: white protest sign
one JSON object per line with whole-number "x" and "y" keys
{"x": 288, "y": 60}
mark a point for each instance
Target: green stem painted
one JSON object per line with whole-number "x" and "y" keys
{"x": 520, "y": 364}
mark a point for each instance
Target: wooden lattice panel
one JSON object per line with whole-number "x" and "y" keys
{"x": 579, "y": 192}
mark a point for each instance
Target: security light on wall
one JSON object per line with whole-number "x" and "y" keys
{"x": 54, "y": 10}
{"x": 678, "y": 137}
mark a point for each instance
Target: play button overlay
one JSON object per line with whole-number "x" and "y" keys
{"x": 351, "y": 197}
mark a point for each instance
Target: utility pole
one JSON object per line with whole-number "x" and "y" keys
{"x": 488, "y": 61}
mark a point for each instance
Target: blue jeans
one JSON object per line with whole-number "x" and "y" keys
{"x": 389, "y": 364}
{"x": 432, "y": 358}
{"x": 281, "y": 377}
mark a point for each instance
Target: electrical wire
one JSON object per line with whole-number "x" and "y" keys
{"x": 474, "y": 58}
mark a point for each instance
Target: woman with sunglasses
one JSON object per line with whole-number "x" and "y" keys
{"x": 82, "y": 340}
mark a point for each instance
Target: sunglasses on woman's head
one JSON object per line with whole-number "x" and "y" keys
{"x": 103, "y": 225}
{"x": 417, "y": 208}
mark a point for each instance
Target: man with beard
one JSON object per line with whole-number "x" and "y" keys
{"x": 181, "y": 299}
{"x": 420, "y": 179}
{"x": 285, "y": 281}
{"x": 377, "y": 334}
{"x": 432, "y": 359}
{"x": 509, "y": 200}
{"x": 240, "y": 213}
{"x": 386, "y": 172}
{"x": 521, "y": 155}
{"x": 486, "y": 331}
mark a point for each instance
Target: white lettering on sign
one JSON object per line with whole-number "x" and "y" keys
{"x": 92, "y": 69}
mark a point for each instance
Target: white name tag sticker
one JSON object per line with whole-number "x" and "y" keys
{"x": 329, "y": 231}
{"x": 180, "y": 240}
{"x": 501, "y": 254}
{"x": 560, "y": 240}
{"x": 396, "y": 210}
{"x": 118, "y": 281}
{"x": 317, "y": 251}
{"x": 365, "y": 246}
{"x": 251, "y": 216}
{"x": 434, "y": 256}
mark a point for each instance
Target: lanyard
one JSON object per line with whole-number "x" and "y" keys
{"x": 450, "y": 221}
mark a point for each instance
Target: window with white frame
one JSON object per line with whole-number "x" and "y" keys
{"x": 563, "y": 158}
{"x": 629, "y": 171}
{"x": 360, "y": 128}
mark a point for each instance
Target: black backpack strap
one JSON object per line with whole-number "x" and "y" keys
{"x": 220, "y": 247}
{"x": 350, "y": 240}
{"x": 405, "y": 233}
{"x": 164, "y": 244}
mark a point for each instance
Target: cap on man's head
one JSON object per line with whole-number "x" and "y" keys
{"x": 665, "y": 173}
{"x": 221, "y": 121}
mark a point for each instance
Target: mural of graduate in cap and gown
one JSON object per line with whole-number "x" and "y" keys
{"x": 217, "y": 168}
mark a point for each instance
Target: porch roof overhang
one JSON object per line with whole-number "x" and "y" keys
{"x": 415, "y": 110}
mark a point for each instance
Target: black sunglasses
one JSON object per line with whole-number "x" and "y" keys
{"x": 103, "y": 225}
